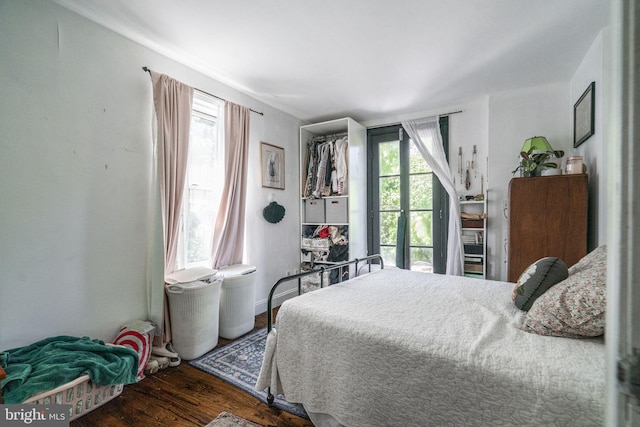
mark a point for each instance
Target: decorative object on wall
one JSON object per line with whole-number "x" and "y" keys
{"x": 460, "y": 167}
{"x": 534, "y": 157}
{"x": 273, "y": 212}
{"x": 272, "y": 161}
{"x": 467, "y": 177}
{"x": 474, "y": 162}
{"x": 584, "y": 116}
{"x": 465, "y": 169}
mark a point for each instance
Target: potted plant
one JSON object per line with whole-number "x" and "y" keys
{"x": 532, "y": 164}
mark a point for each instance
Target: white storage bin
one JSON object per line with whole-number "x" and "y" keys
{"x": 237, "y": 300}
{"x": 314, "y": 211}
{"x": 194, "y": 309}
{"x": 336, "y": 210}
{"x": 315, "y": 244}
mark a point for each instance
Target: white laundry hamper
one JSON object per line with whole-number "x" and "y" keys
{"x": 237, "y": 300}
{"x": 194, "y": 311}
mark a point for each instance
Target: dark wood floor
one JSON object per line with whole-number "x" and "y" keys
{"x": 185, "y": 396}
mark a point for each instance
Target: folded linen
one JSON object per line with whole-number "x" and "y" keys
{"x": 55, "y": 361}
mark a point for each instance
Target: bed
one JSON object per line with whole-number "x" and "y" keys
{"x": 396, "y": 347}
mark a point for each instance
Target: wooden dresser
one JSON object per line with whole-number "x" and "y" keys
{"x": 547, "y": 217}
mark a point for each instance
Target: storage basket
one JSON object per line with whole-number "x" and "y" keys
{"x": 237, "y": 300}
{"x": 472, "y": 223}
{"x": 336, "y": 210}
{"x": 473, "y": 249}
{"x": 82, "y": 394}
{"x": 312, "y": 282}
{"x": 473, "y": 267}
{"x": 194, "y": 309}
{"x": 314, "y": 211}
{"x": 315, "y": 244}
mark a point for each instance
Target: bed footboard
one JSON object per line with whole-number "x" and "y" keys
{"x": 369, "y": 260}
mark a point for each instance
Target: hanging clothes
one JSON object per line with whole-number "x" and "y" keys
{"x": 340, "y": 151}
{"x": 326, "y": 167}
{"x": 324, "y": 156}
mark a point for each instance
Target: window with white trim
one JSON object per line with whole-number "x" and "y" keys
{"x": 204, "y": 182}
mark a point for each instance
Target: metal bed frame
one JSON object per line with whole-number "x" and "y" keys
{"x": 319, "y": 270}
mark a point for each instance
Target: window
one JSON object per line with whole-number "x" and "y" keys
{"x": 203, "y": 184}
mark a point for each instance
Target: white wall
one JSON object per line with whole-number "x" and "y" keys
{"x": 469, "y": 128}
{"x": 594, "y": 68}
{"x": 78, "y": 240}
{"x": 515, "y": 116}
{"x": 498, "y": 124}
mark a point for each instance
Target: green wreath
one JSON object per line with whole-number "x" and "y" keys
{"x": 273, "y": 212}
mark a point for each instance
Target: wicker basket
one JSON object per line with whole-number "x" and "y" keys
{"x": 82, "y": 394}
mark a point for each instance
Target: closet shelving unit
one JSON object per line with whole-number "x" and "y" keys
{"x": 474, "y": 238}
{"x": 346, "y": 211}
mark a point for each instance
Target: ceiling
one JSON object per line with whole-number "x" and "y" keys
{"x": 367, "y": 59}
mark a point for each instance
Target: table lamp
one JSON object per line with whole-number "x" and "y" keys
{"x": 537, "y": 143}
{"x": 535, "y": 158}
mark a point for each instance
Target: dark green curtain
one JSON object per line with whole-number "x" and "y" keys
{"x": 400, "y": 240}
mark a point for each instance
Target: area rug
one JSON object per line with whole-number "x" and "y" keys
{"x": 239, "y": 364}
{"x": 226, "y": 419}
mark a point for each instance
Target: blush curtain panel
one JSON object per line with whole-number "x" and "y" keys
{"x": 228, "y": 232}
{"x": 425, "y": 134}
{"x": 172, "y": 101}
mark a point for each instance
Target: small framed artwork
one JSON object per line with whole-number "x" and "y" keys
{"x": 584, "y": 116}
{"x": 272, "y": 160}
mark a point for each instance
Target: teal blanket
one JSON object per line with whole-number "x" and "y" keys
{"x": 55, "y": 361}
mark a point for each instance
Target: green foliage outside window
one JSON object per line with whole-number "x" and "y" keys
{"x": 421, "y": 203}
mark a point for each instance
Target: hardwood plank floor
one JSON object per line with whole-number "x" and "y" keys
{"x": 185, "y": 396}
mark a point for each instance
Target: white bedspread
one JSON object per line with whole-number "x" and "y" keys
{"x": 401, "y": 348}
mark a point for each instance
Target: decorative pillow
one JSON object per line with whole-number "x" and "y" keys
{"x": 597, "y": 258}
{"x": 137, "y": 335}
{"x": 536, "y": 279}
{"x": 573, "y": 308}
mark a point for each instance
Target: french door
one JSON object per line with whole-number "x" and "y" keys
{"x": 408, "y": 212}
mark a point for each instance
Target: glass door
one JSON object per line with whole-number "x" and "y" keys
{"x": 404, "y": 204}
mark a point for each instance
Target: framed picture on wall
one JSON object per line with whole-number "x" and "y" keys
{"x": 584, "y": 116}
{"x": 272, "y": 161}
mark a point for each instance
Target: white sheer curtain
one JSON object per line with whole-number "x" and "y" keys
{"x": 425, "y": 134}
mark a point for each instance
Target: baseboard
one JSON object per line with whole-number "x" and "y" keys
{"x": 261, "y": 306}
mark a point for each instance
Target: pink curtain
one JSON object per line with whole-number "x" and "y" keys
{"x": 228, "y": 232}
{"x": 172, "y": 100}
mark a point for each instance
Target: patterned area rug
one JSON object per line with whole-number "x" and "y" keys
{"x": 226, "y": 419}
{"x": 239, "y": 364}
